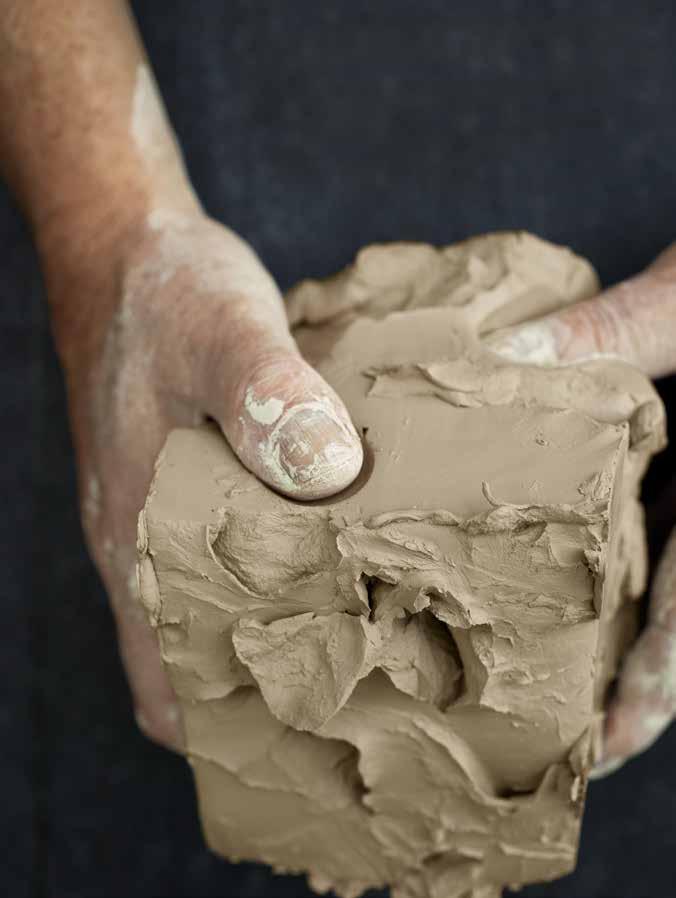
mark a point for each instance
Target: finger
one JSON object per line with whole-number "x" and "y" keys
{"x": 286, "y": 424}
{"x": 645, "y": 703}
{"x": 634, "y": 321}
{"x": 157, "y": 711}
{"x": 291, "y": 429}
{"x": 155, "y": 705}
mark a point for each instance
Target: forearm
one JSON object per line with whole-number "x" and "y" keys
{"x": 84, "y": 141}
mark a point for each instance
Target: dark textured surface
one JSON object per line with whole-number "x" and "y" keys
{"x": 313, "y": 128}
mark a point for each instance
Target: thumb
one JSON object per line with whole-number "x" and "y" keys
{"x": 289, "y": 427}
{"x": 285, "y": 423}
{"x": 634, "y": 321}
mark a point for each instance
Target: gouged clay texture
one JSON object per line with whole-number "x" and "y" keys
{"x": 403, "y": 685}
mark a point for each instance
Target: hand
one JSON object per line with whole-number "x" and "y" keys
{"x": 161, "y": 316}
{"x": 188, "y": 324}
{"x": 634, "y": 321}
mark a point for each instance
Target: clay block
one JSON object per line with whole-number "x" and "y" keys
{"x": 403, "y": 685}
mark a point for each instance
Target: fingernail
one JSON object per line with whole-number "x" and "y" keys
{"x": 531, "y": 344}
{"x": 312, "y": 452}
{"x": 605, "y": 768}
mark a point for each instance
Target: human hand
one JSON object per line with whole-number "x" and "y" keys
{"x": 634, "y": 321}
{"x": 161, "y": 316}
{"x": 187, "y": 324}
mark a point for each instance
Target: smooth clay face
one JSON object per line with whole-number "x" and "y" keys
{"x": 402, "y": 685}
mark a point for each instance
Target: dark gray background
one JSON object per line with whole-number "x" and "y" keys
{"x": 313, "y": 128}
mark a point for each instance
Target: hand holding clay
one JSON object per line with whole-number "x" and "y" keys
{"x": 634, "y": 321}
{"x": 162, "y": 317}
{"x": 198, "y": 330}
{"x": 404, "y": 684}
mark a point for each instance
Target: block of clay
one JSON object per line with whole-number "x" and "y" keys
{"x": 403, "y": 685}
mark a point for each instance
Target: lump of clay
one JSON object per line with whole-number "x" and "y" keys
{"x": 403, "y": 685}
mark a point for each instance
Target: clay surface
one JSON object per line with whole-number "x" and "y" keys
{"x": 403, "y": 685}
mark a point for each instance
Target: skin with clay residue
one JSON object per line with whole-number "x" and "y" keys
{"x": 162, "y": 317}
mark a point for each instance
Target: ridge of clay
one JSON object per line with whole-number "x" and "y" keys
{"x": 403, "y": 684}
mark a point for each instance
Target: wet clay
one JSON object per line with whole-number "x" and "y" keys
{"x": 403, "y": 684}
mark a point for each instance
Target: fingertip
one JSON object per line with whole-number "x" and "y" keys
{"x": 294, "y": 432}
{"x": 162, "y": 724}
{"x": 624, "y": 736}
{"x": 632, "y": 728}
{"x": 605, "y": 767}
{"x": 534, "y": 343}
{"x": 315, "y": 452}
